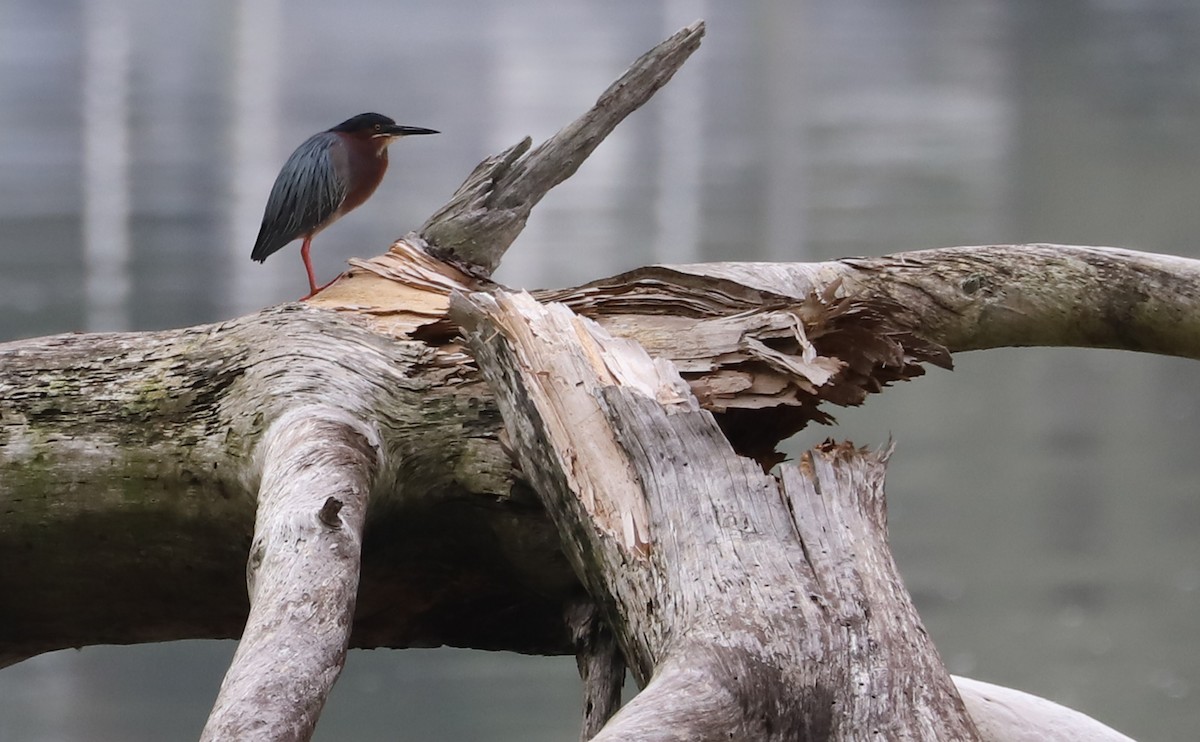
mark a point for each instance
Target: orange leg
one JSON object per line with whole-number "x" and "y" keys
{"x": 313, "y": 288}
{"x": 312, "y": 279}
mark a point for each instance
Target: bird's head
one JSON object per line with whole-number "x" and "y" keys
{"x": 377, "y": 128}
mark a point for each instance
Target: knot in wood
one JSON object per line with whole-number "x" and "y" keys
{"x": 329, "y": 513}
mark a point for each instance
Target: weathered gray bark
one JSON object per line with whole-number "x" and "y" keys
{"x": 969, "y": 298}
{"x": 750, "y": 606}
{"x": 131, "y": 468}
{"x": 319, "y": 464}
{"x": 138, "y": 470}
{"x": 141, "y": 448}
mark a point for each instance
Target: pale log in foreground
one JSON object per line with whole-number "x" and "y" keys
{"x": 319, "y": 465}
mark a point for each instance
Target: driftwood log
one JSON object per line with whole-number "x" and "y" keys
{"x": 586, "y": 470}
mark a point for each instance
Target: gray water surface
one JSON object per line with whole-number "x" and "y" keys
{"x": 1044, "y": 502}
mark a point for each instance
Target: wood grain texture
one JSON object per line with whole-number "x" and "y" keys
{"x": 749, "y": 607}
{"x": 319, "y": 465}
{"x": 601, "y": 665}
{"x": 130, "y": 470}
{"x": 993, "y": 296}
{"x": 140, "y": 447}
{"x": 760, "y": 607}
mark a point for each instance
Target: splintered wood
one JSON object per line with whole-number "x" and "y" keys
{"x": 728, "y": 596}
{"x": 578, "y": 352}
{"x": 769, "y": 343}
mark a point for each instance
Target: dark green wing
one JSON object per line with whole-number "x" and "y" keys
{"x": 308, "y": 191}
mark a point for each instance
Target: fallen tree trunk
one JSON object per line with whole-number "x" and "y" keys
{"x": 138, "y": 471}
{"x": 144, "y": 447}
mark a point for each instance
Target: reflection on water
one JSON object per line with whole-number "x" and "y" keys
{"x": 106, "y": 164}
{"x": 1043, "y": 502}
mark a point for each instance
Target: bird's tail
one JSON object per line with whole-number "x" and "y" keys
{"x": 264, "y": 245}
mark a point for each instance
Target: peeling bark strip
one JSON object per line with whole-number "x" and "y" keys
{"x": 745, "y": 350}
{"x": 757, "y": 609}
{"x": 319, "y": 464}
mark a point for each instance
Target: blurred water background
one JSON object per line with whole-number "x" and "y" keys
{"x": 1044, "y": 503}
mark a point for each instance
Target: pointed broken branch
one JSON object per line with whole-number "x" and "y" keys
{"x": 490, "y": 208}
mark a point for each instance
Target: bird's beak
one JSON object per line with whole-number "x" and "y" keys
{"x": 397, "y": 130}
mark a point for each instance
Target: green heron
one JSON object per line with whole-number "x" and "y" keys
{"x": 328, "y": 176}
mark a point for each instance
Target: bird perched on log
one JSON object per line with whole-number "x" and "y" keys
{"x": 329, "y": 175}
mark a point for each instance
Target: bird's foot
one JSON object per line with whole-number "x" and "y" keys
{"x": 318, "y": 289}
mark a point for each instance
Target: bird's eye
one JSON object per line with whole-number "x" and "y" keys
{"x": 378, "y": 127}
